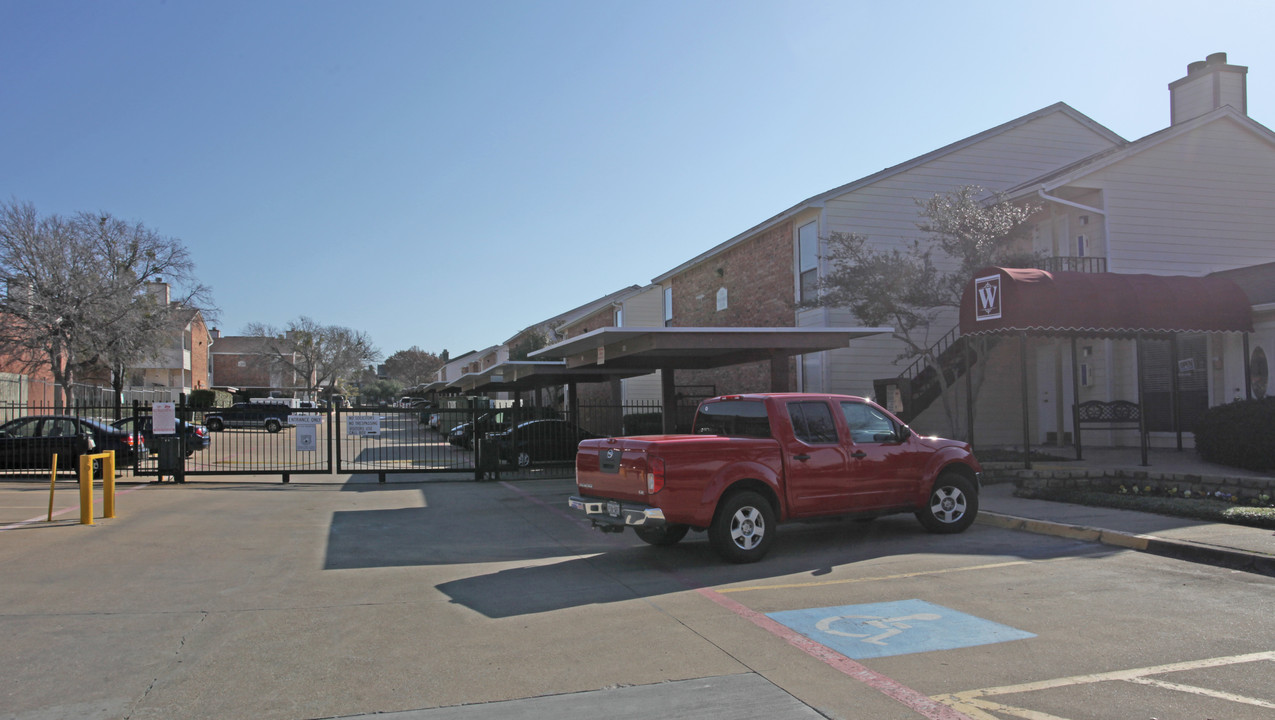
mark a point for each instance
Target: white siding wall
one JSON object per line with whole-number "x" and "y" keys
{"x": 886, "y": 212}
{"x": 1193, "y": 205}
{"x": 646, "y": 309}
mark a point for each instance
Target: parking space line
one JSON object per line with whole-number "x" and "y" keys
{"x": 1192, "y": 689}
{"x": 973, "y": 702}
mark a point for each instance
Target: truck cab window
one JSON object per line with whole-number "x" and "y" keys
{"x": 733, "y": 418}
{"x": 812, "y": 423}
{"x": 867, "y": 424}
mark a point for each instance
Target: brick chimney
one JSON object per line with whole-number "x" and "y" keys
{"x": 1209, "y": 84}
{"x": 158, "y": 289}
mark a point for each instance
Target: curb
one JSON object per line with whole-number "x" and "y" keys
{"x": 1153, "y": 544}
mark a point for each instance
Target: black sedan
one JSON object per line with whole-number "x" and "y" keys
{"x": 31, "y": 442}
{"x": 196, "y": 436}
{"x": 536, "y": 441}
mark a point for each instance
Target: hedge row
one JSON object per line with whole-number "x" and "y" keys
{"x": 1239, "y": 434}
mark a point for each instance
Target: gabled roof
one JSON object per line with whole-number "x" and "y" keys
{"x": 588, "y": 308}
{"x": 818, "y": 201}
{"x": 1098, "y": 161}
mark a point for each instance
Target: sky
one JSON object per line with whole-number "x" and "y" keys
{"x": 443, "y": 175}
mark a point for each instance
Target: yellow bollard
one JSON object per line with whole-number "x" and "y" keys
{"x": 108, "y": 484}
{"x": 86, "y": 486}
{"x": 86, "y": 489}
{"x": 53, "y": 475}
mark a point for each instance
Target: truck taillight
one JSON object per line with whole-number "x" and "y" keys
{"x": 654, "y": 475}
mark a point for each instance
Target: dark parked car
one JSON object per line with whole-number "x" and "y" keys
{"x": 273, "y": 417}
{"x": 31, "y": 442}
{"x": 196, "y": 435}
{"x": 493, "y": 422}
{"x": 536, "y": 441}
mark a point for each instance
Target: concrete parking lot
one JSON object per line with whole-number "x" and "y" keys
{"x": 463, "y": 600}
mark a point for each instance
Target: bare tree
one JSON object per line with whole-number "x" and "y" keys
{"x": 76, "y": 290}
{"x": 916, "y": 292}
{"x": 321, "y": 355}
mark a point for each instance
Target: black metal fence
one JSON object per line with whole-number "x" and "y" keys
{"x": 473, "y": 443}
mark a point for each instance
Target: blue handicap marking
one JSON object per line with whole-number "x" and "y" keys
{"x": 895, "y": 628}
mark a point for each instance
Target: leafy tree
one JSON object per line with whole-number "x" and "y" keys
{"x": 76, "y": 291}
{"x": 322, "y": 355}
{"x": 533, "y": 341}
{"x": 917, "y": 289}
{"x": 412, "y": 366}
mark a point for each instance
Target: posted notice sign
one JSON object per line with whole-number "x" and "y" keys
{"x": 307, "y": 437}
{"x": 164, "y": 418}
{"x": 363, "y": 425}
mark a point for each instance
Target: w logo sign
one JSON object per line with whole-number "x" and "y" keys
{"x": 987, "y": 294}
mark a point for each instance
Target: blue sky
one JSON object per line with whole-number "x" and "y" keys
{"x": 444, "y": 174}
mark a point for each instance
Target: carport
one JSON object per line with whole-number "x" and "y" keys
{"x": 630, "y": 351}
{"x": 1023, "y": 302}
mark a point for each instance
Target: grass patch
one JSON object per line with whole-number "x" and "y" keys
{"x": 1208, "y": 510}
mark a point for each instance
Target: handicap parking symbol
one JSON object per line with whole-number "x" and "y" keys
{"x": 895, "y": 628}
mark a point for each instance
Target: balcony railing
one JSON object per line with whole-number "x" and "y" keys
{"x": 1073, "y": 264}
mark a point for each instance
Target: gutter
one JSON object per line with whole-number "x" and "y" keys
{"x": 1050, "y": 198}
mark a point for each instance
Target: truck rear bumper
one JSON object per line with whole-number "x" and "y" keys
{"x": 616, "y": 514}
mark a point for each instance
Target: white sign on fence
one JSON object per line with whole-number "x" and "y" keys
{"x": 300, "y": 419}
{"x": 363, "y": 425}
{"x": 164, "y": 418}
{"x": 307, "y": 437}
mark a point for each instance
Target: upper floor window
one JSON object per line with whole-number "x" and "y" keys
{"x": 808, "y": 260}
{"x": 668, "y": 305}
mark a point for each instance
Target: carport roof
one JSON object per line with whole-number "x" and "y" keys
{"x": 695, "y": 348}
{"x": 518, "y": 375}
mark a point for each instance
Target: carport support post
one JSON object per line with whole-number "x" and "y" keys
{"x": 1075, "y": 398}
{"x": 668, "y": 396}
{"x": 779, "y": 372}
{"x": 1027, "y": 436}
{"x": 1142, "y": 410}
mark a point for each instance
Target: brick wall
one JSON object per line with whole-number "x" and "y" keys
{"x": 758, "y": 277}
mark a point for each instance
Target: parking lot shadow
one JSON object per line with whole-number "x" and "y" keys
{"x": 638, "y": 571}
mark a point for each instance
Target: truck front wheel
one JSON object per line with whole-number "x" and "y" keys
{"x": 744, "y": 528}
{"x": 952, "y": 506}
{"x": 273, "y": 425}
{"x": 666, "y": 535}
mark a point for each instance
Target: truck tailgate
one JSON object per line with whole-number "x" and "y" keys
{"x": 613, "y": 468}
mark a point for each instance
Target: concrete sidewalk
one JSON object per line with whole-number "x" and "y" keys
{"x": 1221, "y": 544}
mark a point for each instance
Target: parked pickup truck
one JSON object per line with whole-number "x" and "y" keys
{"x": 754, "y": 461}
{"x": 270, "y": 416}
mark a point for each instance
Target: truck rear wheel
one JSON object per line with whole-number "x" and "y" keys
{"x": 215, "y": 424}
{"x": 952, "y": 505}
{"x": 666, "y": 535}
{"x": 744, "y": 528}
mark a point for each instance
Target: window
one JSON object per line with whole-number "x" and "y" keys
{"x": 867, "y": 424}
{"x": 722, "y": 300}
{"x": 812, "y": 423}
{"x": 808, "y": 260}
{"x": 733, "y": 418}
{"x": 668, "y": 305}
{"x": 1081, "y": 246}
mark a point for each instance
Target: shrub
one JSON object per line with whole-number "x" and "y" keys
{"x": 1239, "y": 434}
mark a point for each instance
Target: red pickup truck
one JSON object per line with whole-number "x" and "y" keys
{"x": 753, "y": 461}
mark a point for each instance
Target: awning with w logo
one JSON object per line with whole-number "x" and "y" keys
{"x": 998, "y": 300}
